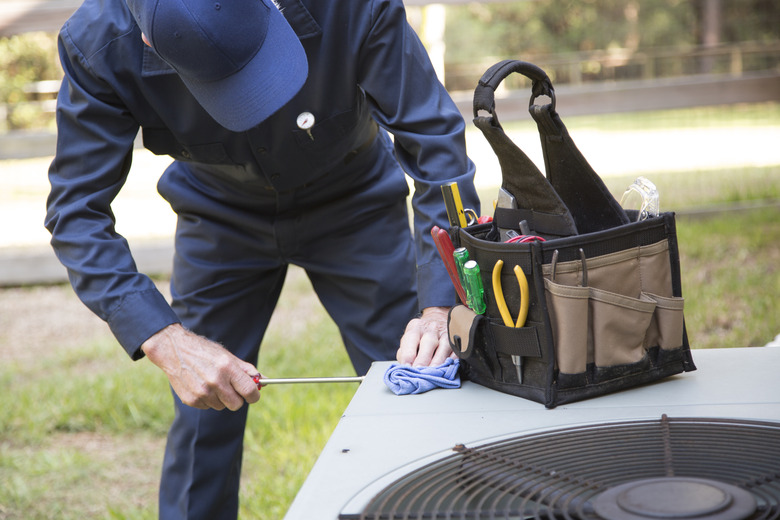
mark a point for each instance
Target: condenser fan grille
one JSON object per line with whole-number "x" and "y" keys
{"x": 669, "y": 468}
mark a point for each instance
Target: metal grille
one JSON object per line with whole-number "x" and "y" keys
{"x": 559, "y": 474}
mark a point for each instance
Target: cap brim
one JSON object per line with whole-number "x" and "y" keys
{"x": 263, "y": 86}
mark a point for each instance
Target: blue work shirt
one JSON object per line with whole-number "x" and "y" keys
{"x": 366, "y": 66}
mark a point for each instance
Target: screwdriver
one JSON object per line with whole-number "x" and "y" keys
{"x": 475, "y": 293}
{"x": 453, "y": 204}
{"x": 262, "y": 381}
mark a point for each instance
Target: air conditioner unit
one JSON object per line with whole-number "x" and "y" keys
{"x": 699, "y": 445}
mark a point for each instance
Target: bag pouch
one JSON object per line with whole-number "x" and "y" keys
{"x": 462, "y": 325}
{"x": 668, "y": 324}
{"x": 470, "y": 340}
{"x": 600, "y": 313}
{"x": 568, "y": 310}
{"x": 618, "y": 326}
{"x": 491, "y": 347}
{"x": 628, "y": 272}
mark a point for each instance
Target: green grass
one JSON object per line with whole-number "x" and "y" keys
{"x": 697, "y": 190}
{"x": 731, "y": 277}
{"x": 730, "y": 116}
{"x": 98, "y": 371}
{"x": 82, "y": 429}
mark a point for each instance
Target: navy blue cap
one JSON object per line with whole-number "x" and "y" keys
{"x": 240, "y": 58}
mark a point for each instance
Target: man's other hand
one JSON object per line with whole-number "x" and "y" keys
{"x": 425, "y": 341}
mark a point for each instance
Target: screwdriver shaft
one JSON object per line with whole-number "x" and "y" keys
{"x": 291, "y": 380}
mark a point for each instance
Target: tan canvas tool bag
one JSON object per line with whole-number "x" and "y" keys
{"x": 604, "y": 299}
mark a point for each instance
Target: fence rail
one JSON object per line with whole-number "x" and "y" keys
{"x": 577, "y": 68}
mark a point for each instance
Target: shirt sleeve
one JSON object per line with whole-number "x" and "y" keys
{"x": 428, "y": 131}
{"x": 94, "y": 152}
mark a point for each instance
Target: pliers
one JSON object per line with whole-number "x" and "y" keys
{"x": 522, "y": 281}
{"x": 522, "y": 314}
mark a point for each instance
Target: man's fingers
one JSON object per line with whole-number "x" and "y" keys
{"x": 236, "y": 387}
{"x": 244, "y": 384}
{"x": 231, "y": 400}
{"x": 443, "y": 351}
{"x": 213, "y": 402}
{"x": 202, "y": 398}
{"x": 410, "y": 341}
{"x": 218, "y": 397}
{"x": 227, "y": 388}
{"x": 429, "y": 342}
{"x": 425, "y": 342}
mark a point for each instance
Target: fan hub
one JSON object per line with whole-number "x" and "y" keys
{"x": 675, "y": 497}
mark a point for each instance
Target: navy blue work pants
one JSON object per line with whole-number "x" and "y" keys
{"x": 234, "y": 242}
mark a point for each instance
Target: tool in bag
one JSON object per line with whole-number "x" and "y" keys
{"x": 593, "y": 302}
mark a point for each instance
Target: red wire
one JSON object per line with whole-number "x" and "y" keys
{"x": 524, "y": 239}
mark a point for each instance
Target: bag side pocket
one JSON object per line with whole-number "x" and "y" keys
{"x": 667, "y": 325}
{"x": 569, "y": 312}
{"x": 470, "y": 340}
{"x": 619, "y": 325}
{"x": 656, "y": 270}
{"x": 462, "y": 325}
{"x": 615, "y": 272}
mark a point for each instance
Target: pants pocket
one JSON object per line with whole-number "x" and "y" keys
{"x": 568, "y": 309}
{"x": 666, "y": 326}
{"x": 619, "y": 325}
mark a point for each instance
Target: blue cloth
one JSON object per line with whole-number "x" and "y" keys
{"x": 404, "y": 379}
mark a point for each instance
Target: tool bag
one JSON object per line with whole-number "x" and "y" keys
{"x": 605, "y": 306}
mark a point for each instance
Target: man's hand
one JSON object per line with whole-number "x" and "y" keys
{"x": 202, "y": 373}
{"x": 425, "y": 341}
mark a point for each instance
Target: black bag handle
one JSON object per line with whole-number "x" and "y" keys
{"x": 572, "y": 193}
{"x": 484, "y": 94}
{"x": 537, "y": 201}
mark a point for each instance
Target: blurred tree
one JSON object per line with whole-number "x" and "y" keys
{"x": 749, "y": 20}
{"x": 25, "y": 59}
{"x": 560, "y": 26}
{"x": 482, "y": 33}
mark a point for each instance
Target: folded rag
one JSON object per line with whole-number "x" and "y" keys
{"x": 404, "y": 379}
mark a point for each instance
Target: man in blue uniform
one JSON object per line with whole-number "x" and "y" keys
{"x": 277, "y": 118}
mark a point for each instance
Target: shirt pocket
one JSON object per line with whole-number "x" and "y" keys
{"x": 333, "y": 136}
{"x": 161, "y": 141}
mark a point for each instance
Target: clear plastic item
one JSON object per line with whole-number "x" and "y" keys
{"x": 642, "y": 196}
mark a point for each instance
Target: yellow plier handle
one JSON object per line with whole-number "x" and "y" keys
{"x": 522, "y": 281}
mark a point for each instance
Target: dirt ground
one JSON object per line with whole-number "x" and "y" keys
{"x": 34, "y": 318}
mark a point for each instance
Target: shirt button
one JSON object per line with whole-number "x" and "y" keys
{"x": 262, "y": 150}
{"x": 185, "y": 153}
